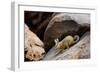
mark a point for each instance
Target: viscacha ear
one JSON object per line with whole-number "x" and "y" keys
{"x": 56, "y": 41}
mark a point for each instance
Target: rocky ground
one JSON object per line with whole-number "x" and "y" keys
{"x": 48, "y": 26}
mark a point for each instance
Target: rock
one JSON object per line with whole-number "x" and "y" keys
{"x": 34, "y": 47}
{"x": 37, "y": 21}
{"x": 81, "y": 50}
{"x": 64, "y": 24}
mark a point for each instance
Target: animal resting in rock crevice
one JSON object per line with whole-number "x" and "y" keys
{"x": 67, "y": 42}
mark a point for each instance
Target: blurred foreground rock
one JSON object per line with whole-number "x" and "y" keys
{"x": 33, "y": 48}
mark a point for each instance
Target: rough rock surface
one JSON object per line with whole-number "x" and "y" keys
{"x": 33, "y": 46}
{"x": 37, "y": 21}
{"x": 46, "y": 27}
{"x": 81, "y": 50}
{"x": 65, "y": 24}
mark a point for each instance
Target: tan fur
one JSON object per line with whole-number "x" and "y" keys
{"x": 33, "y": 45}
{"x": 65, "y": 43}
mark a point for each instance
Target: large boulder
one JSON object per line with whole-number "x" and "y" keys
{"x": 37, "y": 21}
{"x": 34, "y": 47}
{"x": 80, "y": 50}
{"x": 64, "y": 24}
